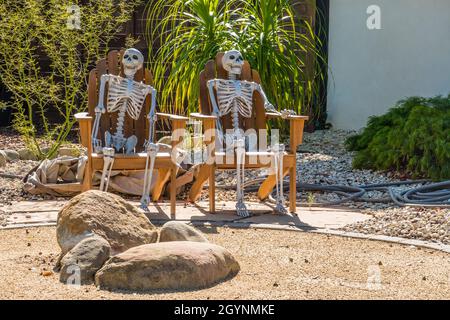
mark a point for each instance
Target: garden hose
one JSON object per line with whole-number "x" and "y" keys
{"x": 435, "y": 195}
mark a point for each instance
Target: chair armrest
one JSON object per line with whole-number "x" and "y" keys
{"x": 83, "y": 116}
{"x": 172, "y": 117}
{"x": 271, "y": 115}
{"x": 85, "y": 123}
{"x": 209, "y": 126}
{"x": 200, "y": 116}
{"x": 297, "y": 124}
{"x": 178, "y": 126}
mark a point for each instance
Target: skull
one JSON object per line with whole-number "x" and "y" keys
{"x": 232, "y": 62}
{"x": 132, "y": 61}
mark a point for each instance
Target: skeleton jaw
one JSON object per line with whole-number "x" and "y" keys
{"x": 129, "y": 71}
{"x": 235, "y": 70}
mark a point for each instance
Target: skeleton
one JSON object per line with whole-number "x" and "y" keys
{"x": 235, "y": 96}
{"x": 125, "y": 96}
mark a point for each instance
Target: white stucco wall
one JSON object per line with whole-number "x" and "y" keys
{"x": 372, "y": 69}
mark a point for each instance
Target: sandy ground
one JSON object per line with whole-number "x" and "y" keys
{"x": 274, "y": 265}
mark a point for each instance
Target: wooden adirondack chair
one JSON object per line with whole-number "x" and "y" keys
{"x": 214, "y": 70}
{"x": 167, "y": 169}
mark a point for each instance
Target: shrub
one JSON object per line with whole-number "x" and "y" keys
{"x": 414, "y": 136}
{"x": 68, "y": 38}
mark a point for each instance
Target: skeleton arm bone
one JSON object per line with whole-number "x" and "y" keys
{"x": 152, "y": 114}
{"x": 99, "y": 110}
{"x": 285, "y": 113}
{"x": 267, "y": 105}
{"x": 216, "y": 111}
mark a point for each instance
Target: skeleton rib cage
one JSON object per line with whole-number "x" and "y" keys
{"x": 117, "y": 93}
{"x": 231, "y": 92}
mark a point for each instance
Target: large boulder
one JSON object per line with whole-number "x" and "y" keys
{"x": 84, "y": 260}
{"x": 104, "y": 214}
{"x": 167, "y": 265}
{"x": 178, "y": 231}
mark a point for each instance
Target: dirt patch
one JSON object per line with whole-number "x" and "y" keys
{"x": 274, "y": 265}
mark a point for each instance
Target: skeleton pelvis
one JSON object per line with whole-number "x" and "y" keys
{"x": 251, "y": 141}
{"x": 120, "y": 142}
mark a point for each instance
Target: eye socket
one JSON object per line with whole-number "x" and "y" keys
{"x": 135, "y": 57}
{"x": 126, "y": 56}
{"x": 232, "y": 57}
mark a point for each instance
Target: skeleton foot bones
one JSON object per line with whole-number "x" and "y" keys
{"x": 126, "y": 97}
{"x": 236, "y": 97}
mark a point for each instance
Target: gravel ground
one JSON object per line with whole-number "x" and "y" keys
{"x": 274, "y": 265}
{"x": 322, "y": 160}
{"x": 9, "y": 139}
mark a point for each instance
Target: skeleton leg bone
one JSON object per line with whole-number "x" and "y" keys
{"x": 152, "y": 151}
{"x": 108, "y": 161}
{"x": 278, "y": 155}
{"x": 96, "y": 143}
{"x": 241, "y": 208}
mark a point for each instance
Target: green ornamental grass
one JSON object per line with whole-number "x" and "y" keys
{"x": 189, "y": 33}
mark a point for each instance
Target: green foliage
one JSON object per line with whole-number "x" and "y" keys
{"x": 35, "y": 29}
{"x": 413, "y": 136}
{"x": 190, "y": 33}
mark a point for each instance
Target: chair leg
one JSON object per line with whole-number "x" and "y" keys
{"x": 163, "y": 176}
{"x": 292, "y": 189}
{"x": 87, "y": 179}
{"x": 267, "y": 185}
{"x": 173, "y": 190}
{"x": 212, "y": 189}
{"x": 203, "y": 175}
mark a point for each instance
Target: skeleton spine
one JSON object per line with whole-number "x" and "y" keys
{"x": 121, "y": 119}
{"x": 232, "y": 76}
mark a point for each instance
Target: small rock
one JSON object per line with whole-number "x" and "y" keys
{"x": 167, "y": 265}
{"x": 11, "y": 155}
{"x": 72, "y": 152}
{"x": 3, "y": 158}
{"x": 87, "y": 257}
{"x": 46, "y": 273}
{"x": 26, "y": 154}
{"x": 178, "y": 231}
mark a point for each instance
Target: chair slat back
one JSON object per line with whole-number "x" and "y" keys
{"x": 214, "y": 70}
{"x": 112, "y": 64}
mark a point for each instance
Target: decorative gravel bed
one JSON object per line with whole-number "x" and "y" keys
{"x": 322, "y": 159}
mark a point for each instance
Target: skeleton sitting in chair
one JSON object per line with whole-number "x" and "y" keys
{"x": 236, "y": 97}
{"x": 125, "y": 96}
